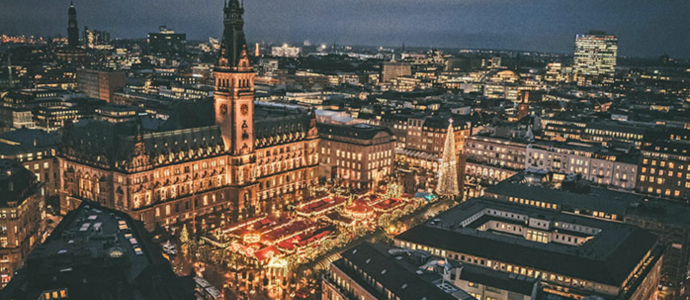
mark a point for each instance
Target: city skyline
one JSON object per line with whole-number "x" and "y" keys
{"x": 542, "y": 26}
{"x": 167, "y": 168}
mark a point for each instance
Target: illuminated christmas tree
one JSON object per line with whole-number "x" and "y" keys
{"x": 184, "y": 235}
{"x": 184, "y": 240}
{"x": 447, "y": 172}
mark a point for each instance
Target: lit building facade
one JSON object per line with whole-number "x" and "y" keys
{"x": 392, "y": 70}
{"x": 598, "y": 165}
{"x": 359, "y": 155}
{"x": 595, "y": 57}
{"x": 494, "y": 158}
{"x": 16, "y": 107}
{"x": 610, "y": 132}
{"x": 22, "y": 217}
{"x": 665, "y": 170}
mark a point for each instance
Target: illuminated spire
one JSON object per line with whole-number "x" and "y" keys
{"x": 447, "y": 171}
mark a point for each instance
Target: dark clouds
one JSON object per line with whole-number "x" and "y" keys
{"x": 645, "y": 27}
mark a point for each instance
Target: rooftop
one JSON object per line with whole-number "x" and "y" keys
{"x": 608, "y": 255}
{"x": 391, "y": 272}
{"x": 362, "y": 132}
{"x": 16, "y": 182}
{"x": 502, "y": 280}
{"x": 94, "y": 252}
{"x": 24, "y": 140}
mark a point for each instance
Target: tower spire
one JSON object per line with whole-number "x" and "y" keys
{"x": 72, "y": 30}
{"x": 447, "y": 171}
{"x": 234, "y": 96}
{"x": 233, "y": 46}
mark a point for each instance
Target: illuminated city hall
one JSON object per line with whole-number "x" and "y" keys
{"x": 229, "y": 155}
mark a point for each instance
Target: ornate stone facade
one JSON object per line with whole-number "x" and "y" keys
{"x": 250, "y": 159}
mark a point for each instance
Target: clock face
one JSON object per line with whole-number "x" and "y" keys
{"x": 223, "y": 109}
{"x": 244, "y": 109}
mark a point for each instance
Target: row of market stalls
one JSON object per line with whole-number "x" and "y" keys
{"x": 298, "y": 236}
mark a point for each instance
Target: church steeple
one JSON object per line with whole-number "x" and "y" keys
{"x": 233, "y": 47}
{"x": 72, "y": 30}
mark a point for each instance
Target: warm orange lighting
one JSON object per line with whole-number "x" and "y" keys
{"x": 251, "y": 238}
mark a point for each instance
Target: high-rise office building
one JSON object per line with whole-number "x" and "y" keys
{"x": 360, "y": 155}
{"x": 166, "y": 41}
{"x": 595, "y": 57}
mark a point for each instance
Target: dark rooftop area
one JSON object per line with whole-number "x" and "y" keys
{"x": 16, "y": 182}
{"x": 96, "y": 252}
{"x": 385, "y": 269}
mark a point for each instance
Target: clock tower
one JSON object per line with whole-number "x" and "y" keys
{"x": 234, "y": 94}
{"x": 234, "y": 107}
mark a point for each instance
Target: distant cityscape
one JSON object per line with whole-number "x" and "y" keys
{"x": 165, "y": 168}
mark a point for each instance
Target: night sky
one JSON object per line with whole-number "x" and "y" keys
{"x": 645, "y": 27}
